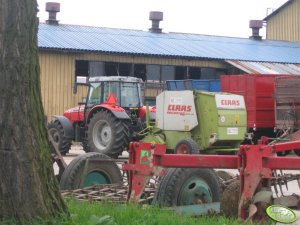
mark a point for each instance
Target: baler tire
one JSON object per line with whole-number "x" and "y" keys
{"x": 56, "y": 130}
{"x": 230, "y": 200}
{"x": 72, "y": 178}
{"x": 111, "y": 134}
{"x": 171, "y": 188}
{"x": 187, "y": 146}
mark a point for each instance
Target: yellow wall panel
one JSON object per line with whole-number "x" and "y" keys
{"x": 285, "y": 24}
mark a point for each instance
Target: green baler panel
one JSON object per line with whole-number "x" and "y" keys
{"x": 217, "y": 127}
{"x": 229, "y": 120}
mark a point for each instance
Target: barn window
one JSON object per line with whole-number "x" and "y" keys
{"x": 82, "y": 68}
{"x": 194, "y": 72}
{"x": 96, "y": 68}
{"x": 153, "y": 72}
{"x": 208, "y": 73}
{"x": 167, "y": 73}
{"x": 117, "y": 69}
{"x": 140, "y": 71}
{"x": 181, "y": 72}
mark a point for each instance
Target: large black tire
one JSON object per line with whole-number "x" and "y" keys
{"x": 230, "y": 199}
{"x": 80, "y": 173}
{"x": 187, "y": 186}
{"x": 187, "y": 146}
{"x": 107, "y": 134}
{"x": 56, "y": 130}
{"x": 224, "y": 175}
{"x": 297, "y": 152}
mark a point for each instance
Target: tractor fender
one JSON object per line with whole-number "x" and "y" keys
{"x": 67, "y": 126}
{"x": 120, "y": 114}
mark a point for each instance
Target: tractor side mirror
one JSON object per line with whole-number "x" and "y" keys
{"x": 79, "y": 80}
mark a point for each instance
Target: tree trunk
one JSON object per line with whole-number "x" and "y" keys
{"x": 28, "y": 187}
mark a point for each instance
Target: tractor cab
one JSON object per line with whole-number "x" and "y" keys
{"x": 121, "y": 91}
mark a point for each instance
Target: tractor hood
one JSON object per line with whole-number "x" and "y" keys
{"x": 75, "y": 114}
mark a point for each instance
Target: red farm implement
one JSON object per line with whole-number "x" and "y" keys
{"x": 256, "y": 164}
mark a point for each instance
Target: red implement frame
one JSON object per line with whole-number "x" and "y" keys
{"x": 255, "y": 163}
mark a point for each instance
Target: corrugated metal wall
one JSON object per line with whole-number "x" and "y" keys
{"x": 58, "y": 75}
{"x": 57, "y": 79}
{"x": 285, "y": 25}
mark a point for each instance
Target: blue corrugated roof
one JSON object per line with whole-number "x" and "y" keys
{"x": 137, "y": 42}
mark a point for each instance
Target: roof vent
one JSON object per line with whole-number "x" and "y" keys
{"x": 155, "y": 17}
{"x": 255, "y": 25}
{"x": 52, "y": 8}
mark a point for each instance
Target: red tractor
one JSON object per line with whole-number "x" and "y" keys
{"x": 112, "y": 116}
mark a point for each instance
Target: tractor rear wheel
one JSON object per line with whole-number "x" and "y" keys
{"x": 86, "y": 171}
{"x": 56, "y": 130}
{"x": 186, "y": 186}
{"x": 187, "y": 146}
{"x": 107, "y": 134}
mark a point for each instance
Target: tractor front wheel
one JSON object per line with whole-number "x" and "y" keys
{"x": 186, "y": 186}
{"x": 56, "y": 130}
{"x": 107, "y": 134}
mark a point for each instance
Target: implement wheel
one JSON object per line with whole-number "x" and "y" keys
{"x": 107, "y": 134}
{"x": 89, "y": 169}
{"x": 187, "y": 146}
{"x": 56, "y": 130}
{"x": 187, "y": 187}
{"x": 230, "y": 199}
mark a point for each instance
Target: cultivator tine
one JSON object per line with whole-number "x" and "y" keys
{"x": 278, "y": 180}
{"x": 286, "y": 184}
{"x": 280, "y": 187}
{"x": 298, "y": 183}
{"x": 284, "y": 180}
{"x": 276, "y": 190}
{"x": 275, "y": 183}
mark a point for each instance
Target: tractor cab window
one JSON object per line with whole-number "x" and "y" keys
{"x": 130, "y": 95}
{"x": 111, "y": 88}
{"x": 94, "y": 94}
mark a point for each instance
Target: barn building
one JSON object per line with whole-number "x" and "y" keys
{"x": 67, "y": 51}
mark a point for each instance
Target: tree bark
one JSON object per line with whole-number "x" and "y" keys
{"x": 28, "y": 187}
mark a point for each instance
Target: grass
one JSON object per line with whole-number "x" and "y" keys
{"x": 85, "y": 213}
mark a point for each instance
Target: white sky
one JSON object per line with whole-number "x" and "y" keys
{"x": 211, "y": 17}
